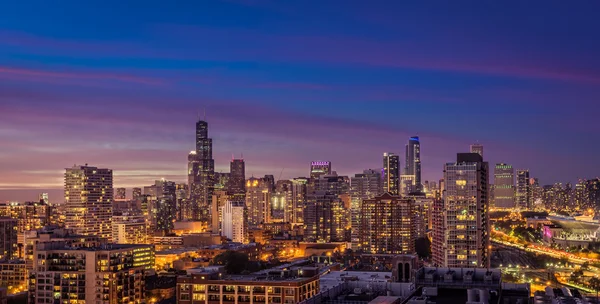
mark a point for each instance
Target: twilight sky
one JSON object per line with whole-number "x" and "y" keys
{"x": 119, "y": 84}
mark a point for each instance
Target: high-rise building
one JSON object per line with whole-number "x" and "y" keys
{"x": 477, "y": 148}
{"x": 298, "y": 200}
{"x": 258, "y": 201}
{"x": 318, "y": 168}
{"x": 8, "y": 238}
{"x": 120, "y": 194}
{"x": 523, "y": 193}
{"x": 463, "y": 221}
{"x": 29, "y": 216}
{"x": 219, "y": 199}
{"x": 221, "y": 181}
{"x": 109, "y": 273}
{"x": 129, "y": 229}
{"x": 88, "y": 200}
{"x": 388, "y": 225}
{"x": 201, "y": 172}
{"x": 237, "y": 180}
{"x": 136, "y": 193}
{"x": 234, "y": 219}
{"x": 332, "y": 183}
{"x": 324, "y": 218}
{"x": 504, "y": 186}
{"x": 166, "y": 205}
{"x": 183, "y": 206}
{"x": 423, "y": 213}
{"x": 411, "y": 176}
{"x": 366, "y": 185}
{"x": 391, "y": 173}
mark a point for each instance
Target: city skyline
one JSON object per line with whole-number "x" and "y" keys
{"x": 121, "y": 93}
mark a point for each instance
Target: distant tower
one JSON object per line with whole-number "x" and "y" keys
{"x": 411, "y": 177}
{"x": 88, "y": 199}
{"x": 319, "y": 168}
{"x": 523, "y": 192}
{"x": 477, "y": 148}
{"x": 391, "y": 173}
{"x": 237, "y": 180}
{"x": 201, "y": 171}
{"x": 504, "y": 186}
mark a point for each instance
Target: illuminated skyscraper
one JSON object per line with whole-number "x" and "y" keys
{"x": 237, "y": 180}
{"x": 201, "y": 171}
{"x": 504, "y": 186}
{"x": 88, "y": 200}
{"x": 8, "y": 238}
{"x": 411, "y": 177}
{"x": 234, "y": 221}
{"x": 166, "y": 205}
{"x": 388, "y": 225}
{"x": 136, "y": 193}
{"x": 298, "y": 201}
{"x": 391, "y": 173}
{"x": 366, "y": 185}
{"x": 477, "y": 148}
{"x": 324, "y": 218}
{"x": 258, "y": 201}
{"x": 462, "y": 222}
{"x": 524, "y": 192}
{"x": 120, "y": 193}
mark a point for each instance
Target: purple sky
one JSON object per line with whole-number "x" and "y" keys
{"x": 120, "y": 85}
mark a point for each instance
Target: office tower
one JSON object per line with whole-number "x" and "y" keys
{"x": 183, "y": 206}
{"x": 166, "y": 205}
{"x": 8, "y": 238}
{"x": 270, "y": 181}
{"x": 44, "y": 198}
{"x": 323, "y": 218}
{"x": 523, "y": 193}
{"x": 120, "y": 194}
{"x": 366, "y": 185}
{"x": 411, "y": 177}
{"x": 234, "y": 221}
{"x": 88, "y": 200}
{"x": 332, "y": 184}
{"x": 299, "y": 194}
{"x": 504, "y": 186}
{"x": 387, "y": 225}
{"x": 477, "y": 148}
{"x": 129, "y": 229}
{"x": 219, "y": 199}
{"x": 136, "y": 193}
{"x": 391, "y": 173}
{"x": 318, "y": 168}
{"x": 201, "y": 172}
{"x": 237, "y": 180}
{"x": 258, "y": 201}
{"x": 105, "y": 274}
{"x": 221, "y": 181}
{"x": 423, "y": 213}
{"x": 463, "y": 221}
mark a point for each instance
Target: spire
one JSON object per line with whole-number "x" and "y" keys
{"x": 204, "y": 113}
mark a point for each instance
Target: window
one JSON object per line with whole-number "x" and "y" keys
{"x": 199, "y": 297}
{"x": 199, "y": 288}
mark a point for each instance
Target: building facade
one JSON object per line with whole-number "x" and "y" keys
{"x": 463, "y": 218}
{"x": 523, "y": 191}
{"x": 388, "y": 225}
{"x": 391, "y": 173}
{"x": 477, "y": 148}
{"x": 8, "y": 238}
{"x": 324, "y": 218}
{"x": 258, "y": 201}
{"x": 88, "y": 200}
{"x": 237, "y": 180}
{"x": 130, "y": 229}
{"x": 366, "y": 185}
{"x": 504, "y": 186}
{"x": 235, "y": 222}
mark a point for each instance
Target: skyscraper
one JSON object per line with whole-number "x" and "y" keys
{"x": 298, "y": 201}
{"x": 234, "y": 221}
{"x": 237, "y": 179}
{"x": 136, "y": 193}
{"x": 391, "y": 173}
{"x": 166, "y": 205}
{"x": 201, "y": 171}
{"x": 8, "y": 238}
{"x": 258, "y": 201}
{"x": 388, "y": 225}
{"x": 88, "y": 200}
{"x": 366, "y": 185}
{"x": 523, "y": 190}
{"x": 411, "y": 177}
{"x": 318, "y": 168}
{"x": 323, "y": 218}
{"x": 120, "y": 193}
{"x": 462, "y": 222}
{"x": 504, "y": 186}
{"x": 44, "y": 197}
{"x": 477, "y": 148}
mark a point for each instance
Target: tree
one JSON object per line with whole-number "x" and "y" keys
{"x": 423, "y": 247}
{"x": 234, "y": 262}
